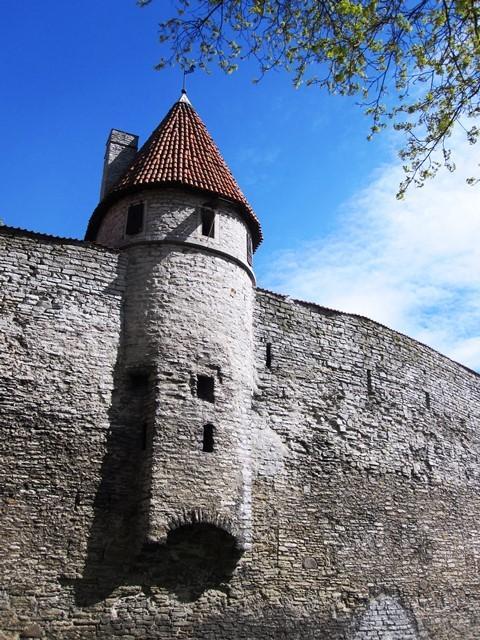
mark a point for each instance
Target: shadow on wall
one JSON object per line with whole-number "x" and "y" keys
{"x": 193, "y": 226}
{"x": 195, "y": 556}
{"x": 384, "y": 619}
{"x": 186, "y": 229}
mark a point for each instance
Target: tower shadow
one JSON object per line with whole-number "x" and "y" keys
{"x": 115, "y": 535}
{"x": 196, "y": 556}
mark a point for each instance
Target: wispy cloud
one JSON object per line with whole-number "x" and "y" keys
{"x": 253, "y": 162}
{"x": 413, "y": 265}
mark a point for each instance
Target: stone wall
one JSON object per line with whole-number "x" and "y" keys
{"x": 368, "y": 475}
{"x": 60, "y": 316}
{"x": 359, "y": 448}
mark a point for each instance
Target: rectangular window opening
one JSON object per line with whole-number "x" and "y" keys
{"x": 268, "y": 355}
{"x": 427, "y": 400}
{"x": 134, "y": 219}
{"x": 369, "y": 383}
{"x": 206, "y": 388}
{"x": 138, "y": 381}
{"x": 249, "y": 249}
{"x": 144, "y": 436}
{"x": 208, "y": 443}
{"x": 208, "y": 222}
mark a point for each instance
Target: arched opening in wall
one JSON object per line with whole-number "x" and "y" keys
{"x": 207, "y": 218}
{"x": 195, "y": 557}
{"x": 204, "y": 556}
{"x": 208, "y": 440}
{"x": 386, "y": 619}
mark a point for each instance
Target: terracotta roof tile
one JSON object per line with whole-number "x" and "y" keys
{"x": 181, "y": 152}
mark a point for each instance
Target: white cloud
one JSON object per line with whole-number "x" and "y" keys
{"x": 413, "y": 265}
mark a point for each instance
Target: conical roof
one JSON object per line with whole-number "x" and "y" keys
{"x": 180, "y": 152}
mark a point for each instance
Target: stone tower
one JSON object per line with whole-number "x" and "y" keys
{"x": 186, "y": 362}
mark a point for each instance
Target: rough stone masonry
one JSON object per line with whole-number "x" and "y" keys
{"x": 185, "y": 455}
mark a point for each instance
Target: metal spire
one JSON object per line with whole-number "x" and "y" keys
{"x": 184, "y": 97}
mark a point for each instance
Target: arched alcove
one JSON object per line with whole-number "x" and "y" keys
{"x": 387, "y": 619}
{"x": 195, "y": 557}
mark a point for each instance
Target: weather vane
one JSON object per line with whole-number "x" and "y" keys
{"x": 186, "y": 72}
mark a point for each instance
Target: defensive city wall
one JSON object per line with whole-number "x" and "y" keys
{"x": 299, "y": 473}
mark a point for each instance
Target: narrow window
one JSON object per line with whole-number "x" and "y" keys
{"x": 369, "y": 382}
{"x": 249, "y": 248}
{"x": 208, "y": 222}
{"x": 268, "y": 356}
{"x": 208, "y": 443}
{"x": 134, "y": 219}
{"x": 427, "y": 400}
{"x": 138, "y": 381}
{"x": 206, "y": 388}
{"x": 144, "y": 437}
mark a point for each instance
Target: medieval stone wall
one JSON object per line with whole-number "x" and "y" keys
{"x": 60, "y": 317}
{"x": 368, "y": 473}
{"x": 361, "y": 454}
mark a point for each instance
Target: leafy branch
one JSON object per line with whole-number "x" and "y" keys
{"x": 415, "y": 65}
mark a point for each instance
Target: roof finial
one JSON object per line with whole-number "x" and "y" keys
{"x": 184, "y": 97}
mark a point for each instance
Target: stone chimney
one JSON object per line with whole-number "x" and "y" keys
{"x": 119, "y": 154}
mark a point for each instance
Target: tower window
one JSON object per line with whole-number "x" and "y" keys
{"x": 369, "y": 383}
{"x": 207, "y": 217}
{"x": 206, "y": 388}
{"x": 268, "y": 355}
{"x": 249, "y": 249}
{"x": 144, "y": 437}
{"x": 208, "y": 443}
{"x": 138, "y": 381}
{"x": 134, "y": 219}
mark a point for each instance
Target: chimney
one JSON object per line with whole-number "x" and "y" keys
{"x": 119, "y": 154}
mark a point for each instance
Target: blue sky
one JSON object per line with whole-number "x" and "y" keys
{"x": 334, "y": 233}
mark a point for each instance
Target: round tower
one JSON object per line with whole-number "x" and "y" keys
{"x": 187, "y": 350}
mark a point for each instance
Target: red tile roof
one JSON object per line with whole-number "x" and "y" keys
{"x": 180, "y": 152}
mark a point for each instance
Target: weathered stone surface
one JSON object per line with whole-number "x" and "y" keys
{"x": 120, "y": 152}
{"x": 340, "y": 501}
{"x": 385, "y": 619}
{"x": 32, "y": 631}
{"x": 173, "y": 215}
